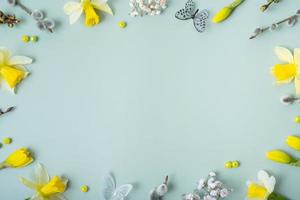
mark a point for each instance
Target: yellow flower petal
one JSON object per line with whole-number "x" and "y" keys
{"x": 284, "y": 54}
{"x": 256, "y": 191}
{"x": 284, "y": 72}
{"x": 12, "y": 76}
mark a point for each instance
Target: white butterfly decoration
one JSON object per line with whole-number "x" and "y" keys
{"x": 189, "y": 12}
{"x": 111, "y": 192}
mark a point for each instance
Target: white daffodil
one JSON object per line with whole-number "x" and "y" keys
{"x": 263, "y": 188}
{"x": 12, "y": 71}
{"x": 75, "y": 9}
{"x": 44, "y": 187}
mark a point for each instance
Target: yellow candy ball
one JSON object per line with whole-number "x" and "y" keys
{"x": 297, "y": 119}
{"x": 235, "y": 164}
{"x": 25, "y": 38}
{"x": 122, "y": 24}
{"x": 7, "y": 140}
{"x": 84, "y": 188}
{"x": 228, "y": 164}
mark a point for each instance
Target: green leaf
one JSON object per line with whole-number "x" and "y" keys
{"x": 276, "y": 196}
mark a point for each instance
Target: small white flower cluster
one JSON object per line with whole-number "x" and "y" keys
{"x": 152, "y": 7}
{"x": 209, "y": 189}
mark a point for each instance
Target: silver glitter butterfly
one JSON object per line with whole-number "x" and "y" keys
{"x": 199, "y": 17}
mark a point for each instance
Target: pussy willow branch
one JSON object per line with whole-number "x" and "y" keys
{"x": 277, "y": 23}
{"x": 28, "y": 11}
{"x": 7, "y": 110}
{"x": 266, "y": 6}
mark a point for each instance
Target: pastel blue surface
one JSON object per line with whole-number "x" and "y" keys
{"x": 153, "y": 99}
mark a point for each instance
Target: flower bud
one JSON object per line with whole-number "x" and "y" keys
{"x": 222, "y": 14}
{"x": 293, "y": 142}
{"x": 279, "y": 156}
{"x": 19, "y": 158}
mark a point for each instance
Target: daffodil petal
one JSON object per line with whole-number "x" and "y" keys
{"x": 102, "y": 6}
{"x": 71, "y": 7}
{"x": 270, "y": 184}
{"x": 262, "y": 176}
{"x": 74, "y": 10}
{"x": 28, "y": 183}
{"x": 4, "y": 55}
{"x": 284, "y": 73}
{"x": 19, "y": 60}
{"x": 297, "y": 57}
{"x": 75, "y": 16}
{"x": 297, "y": 84}
{"x": 284, "y": 54}
{"x": 41, "y": 174}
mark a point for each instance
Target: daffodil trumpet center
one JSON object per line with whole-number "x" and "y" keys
{"x": 91, "y": 17}
{"x": 257, "y": 191}
{"x": 54, "y": 186}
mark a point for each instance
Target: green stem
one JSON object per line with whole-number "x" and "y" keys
{"x": 276, "y": 196}
{"x": 235, "y": 4}
{"x": 3, "y": 165}
{"x": 295, "y": 163}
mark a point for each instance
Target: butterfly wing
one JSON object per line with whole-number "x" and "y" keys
{"x": 200, "y": 20}
{"x": 109, "y": 187}
{"x": 187, "y": 12}
{"x": 122, "y": 192}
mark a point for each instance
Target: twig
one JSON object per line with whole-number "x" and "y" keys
{"x": 266, "y": 6}
{"x": 7, "y": 110}
{"x": 291, "y": 21}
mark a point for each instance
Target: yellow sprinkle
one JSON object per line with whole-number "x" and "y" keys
{"x": 84, "y": 188}
{"x": 25, "y": 38}
{"x": 235, "y": 164}
{"x": 228, "y": 164}
{"x": 122, "y": 24}
{"x": 34, "y": 38}
{"x": 297, "y": 119}
{"x": 7, "y": 140}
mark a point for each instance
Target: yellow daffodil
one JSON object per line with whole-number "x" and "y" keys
{"x": 12, "y": 71}
{"x": 44, "y": 187}
{"x": 289, "y": 70}
{"x": 293, "y": 142}
{"x": 19, "y": 158}
{"x": 89, "y": 7}
{"x": 225, "y": 12}
{"x": 263, "y": 188}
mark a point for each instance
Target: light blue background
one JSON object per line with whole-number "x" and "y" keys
{"x": 153, "y": 99}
